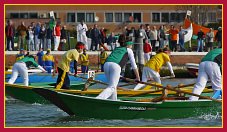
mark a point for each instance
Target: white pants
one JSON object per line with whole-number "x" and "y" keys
{"x": 49, "y": 44}
{"x": 83, "y": 38}
{"x": 112, "y": 73}
{"x": 31, "y": 44}
{"x": 207, "y": 69}
{"x": 19, "y": 67}
{"x": 146, "y": 57}
{"x": 56, "y": 42}
{"x": 37, "y": 42}
{"x": 148, "y": 73}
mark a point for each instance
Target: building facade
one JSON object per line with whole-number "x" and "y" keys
{"x": 112, "y": 17}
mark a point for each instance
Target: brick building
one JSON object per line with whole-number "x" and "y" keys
{"x": 112, "y": 17}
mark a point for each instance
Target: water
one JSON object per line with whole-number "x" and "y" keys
{"x": 20, "y": 114}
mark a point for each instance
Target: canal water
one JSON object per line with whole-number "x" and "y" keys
{"x": 20, "y": 114}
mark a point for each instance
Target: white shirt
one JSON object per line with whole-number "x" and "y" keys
{"x": 81, "y": 29}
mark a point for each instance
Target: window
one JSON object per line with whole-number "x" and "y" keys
{"x": 80, "y": 17}
{"x": 14, "y": 15}
{"x": 24, "y": 15}
{"x": 165, "y": 17}
{"x": 71, "y": 17}
{"x": 118, "y": 17}
{"x": 174, "y": 17}
{"x": 136, "y": 17}
{"x": 33, "y": 15}
{"x": 181, "y": 17}
{"x": 55, "y": 15}
{"x": 212, "y": 17}
{"x": 127, "y": 17}
{"x": 90, "y": 17}
{"x": 155, "y": 17}
{"x": 109, "y": 17}
{"x": 202, "y": 18}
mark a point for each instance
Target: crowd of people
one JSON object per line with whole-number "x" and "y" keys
{"x": 42, "y": 35}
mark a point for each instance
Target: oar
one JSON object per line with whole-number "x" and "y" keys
{"x": 176, "y": 90}
{"x": 97, "y": 81}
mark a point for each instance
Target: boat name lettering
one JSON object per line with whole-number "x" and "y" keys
{"x": 132, "y": 108}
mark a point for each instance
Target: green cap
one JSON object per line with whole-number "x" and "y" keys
{"x": 129, "y": 43}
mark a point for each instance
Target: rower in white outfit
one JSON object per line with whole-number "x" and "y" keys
{"x": 210, "y": 67}
{"x": 112, "y": 67}
{"x": 152, "y": 67}
{"x": 21, "y": 67}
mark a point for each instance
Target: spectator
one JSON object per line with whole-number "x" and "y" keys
{"x": 182, "y": 33}
{"x": 147, "y": 49}
{"x": 111, "y": 41}
{"x": 57, "y": 34}
{"x": 210, "y": 40}
{"x": 30, "y": 38}
{"x": 49, "y": 36}
{"x": 81, "y": 33}
{"x": 95, "y": 37}
{"x": 218, "y": 37}
{"x": 161, "y": 36}
{"x": 10, "y": 33}
{"x": 154, "y": 38}
{"x": 37, "y": 40}
{"x": 201, "y": 36}
{"x": 63, "y": 39}
{"x": 21, "y": 30}
{"x": 103, "y": 35}
{"x": 174, "y": 36}
{"x": 42, "y": 35}
{"x": 147, "y": 30}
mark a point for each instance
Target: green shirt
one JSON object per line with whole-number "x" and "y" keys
{"x": 29, "y": 61}
{"x": 210, "y": 56}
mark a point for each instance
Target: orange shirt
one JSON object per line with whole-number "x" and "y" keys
{"x": 173, "y": 34}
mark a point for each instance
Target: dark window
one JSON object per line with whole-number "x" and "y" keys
{"x": 90, "y": 17}
{"x": 155, "y": 17}
{"x": 174, "y": 17}
{"x": 118, "y": 17}
{"x": 71, "y": 17}
{"x": 109, "y": 17}
{"x": 14, "y": 15}
{"x": 181, "y": 17}
{"x": 24, "y": 15}
{"x": 165, "y": 17}
{"x": 33, "y": 15}
{"x": 80, "y": 17}
{"x": 136, "y": 17}
{"x": 127, "y": 17}
{"x": 212, "y": 17}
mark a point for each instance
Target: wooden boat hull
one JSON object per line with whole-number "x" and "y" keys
{"x": 90, "y": 107}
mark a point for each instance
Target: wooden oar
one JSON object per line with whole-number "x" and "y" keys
{"x": 97, "y": 81}
{"x": 176, "y": 90}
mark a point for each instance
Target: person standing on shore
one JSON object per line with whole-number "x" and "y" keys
{"x": 103, "y": 58}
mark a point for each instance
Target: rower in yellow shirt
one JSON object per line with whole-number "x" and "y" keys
{"x": 84, "y": 58}
{"x": 103, "y": 57}
{"x": 64, "y": 66}
{"x": 152, "y": 67}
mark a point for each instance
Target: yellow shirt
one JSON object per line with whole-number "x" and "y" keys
{"x": 84, "y": 59}
{"x": 156, "y": 62}
{"x": 103, "y": 57}
{"x": 69, "y": 56}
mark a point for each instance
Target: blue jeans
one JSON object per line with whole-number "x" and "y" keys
{"x": 200, "y": 45}
{"x": 102, "y": 67}
{"x": 181, "y": 42}
{"x": 84, "y": 69}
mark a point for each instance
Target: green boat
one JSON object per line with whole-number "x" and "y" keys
{"x": 90, "y": 107}
{"x": 25, "y": 93}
